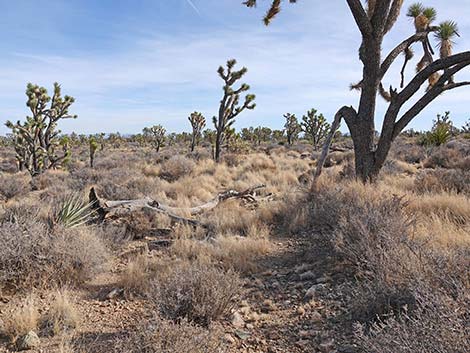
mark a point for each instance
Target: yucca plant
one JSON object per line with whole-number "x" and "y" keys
{"x": 445, "y": 35}
{"x": 72, "y": 212}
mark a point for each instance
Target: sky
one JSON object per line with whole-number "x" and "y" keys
{"x": 138, "y": 63}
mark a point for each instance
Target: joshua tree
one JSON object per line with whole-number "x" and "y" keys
{"x": 374, "y": 20}
{"x": 93, "y": 147}
{"x": 291, "y": 127}
{"x": 230, "y": 106}
{"x": 198, "y": 122}
{"x": 36, "y": 140}
{"x": 315, "y": 127}
{"x": 262, "y": 134}
{"x": 156, "y": 134}
{"x": 466, "y": 127}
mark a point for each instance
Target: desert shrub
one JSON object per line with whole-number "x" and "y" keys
{"x": 409, "y": 153}
{"x": 135, "y": 279}
{"x": 196, "y": 292}
{"x": 61, "y": 316}
{"x": 436, "y": 325}
{"x": 443, "y": 180}
{"x": 164, "y": 336}
{"x": 394, "y": 167}
{"x": 14, "y": 185}
{"x": 372, "y": 234}
{"x": 232, "y": 159}
{"x": 50, "y": 179}
{"x": 19, "y": 318}
{"x": 175, "y": 168}
{"x": 443, "y": 157}
{"x": 32, "y": 255}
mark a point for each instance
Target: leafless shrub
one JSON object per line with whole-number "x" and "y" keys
{"x": 32, "y": 255}
{"x": 443, "y": 180}
{"x": 14, "y": 185}
{"x": 196, "y": 292}
{"x": 19, "y": 318}
{"x": 176, "y": 167}
{"x": 232, "y": 159}
{"x": 436, "y": 325}
{"x": 164, "y": 336}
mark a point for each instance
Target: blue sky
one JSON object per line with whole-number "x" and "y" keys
{"x": 132, "y": 64}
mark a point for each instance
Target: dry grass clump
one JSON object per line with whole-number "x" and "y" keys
{"x": 32, "y": 255}
{"x": 62, "y": 315}
{"x": 374, "y": 233}
{"x": 197, "y": 292}
{"x": 19, "y": 318}
{"x": 135, "y": 279}
{"x": 175, "y": 168}
{"x": 14, "y": 185}
{"x": 165, "y": 336}
{"x": 443, "y": 180}
{"x": 436, "y": 325}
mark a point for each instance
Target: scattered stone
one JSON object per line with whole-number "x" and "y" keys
{"x": 323, "y": 279}
{"x": 28, "y": 341}
{"x": 115, "y": 293}
{"x": 310, "y": 294}
{"x": 327, "y": 346}
{"x": 316, "y": 316}
{"x": 250, "y": 326}
{"x": 229, "y": 338}
{"x": 243, "y": 335}
{"x": 300, "y": 311}
{"x": 237, "y": 320}
{"x": 307, "y": 276}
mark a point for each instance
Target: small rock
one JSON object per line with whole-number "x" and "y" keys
{"x": 250, "y": 326}
{"x": 310, "y": 294}
{"x": 243, "y": 335}
{"x": 327, "y": 346}
{"x": 301, "y": 310}
{"x": 28, "y": 341}
{"x": 237, "y": 320}
{"x": 117, "y": 292}
{"x": 229, "y": 338}
{"x": 323, "y": 279}
{"x": 307, "y": 276}
{"x": 316, "y": 316}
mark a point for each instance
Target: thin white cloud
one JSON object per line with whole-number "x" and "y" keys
{"x": 195, "y": 8}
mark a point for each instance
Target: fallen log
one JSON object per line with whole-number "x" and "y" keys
{"x": 116, "y": 209}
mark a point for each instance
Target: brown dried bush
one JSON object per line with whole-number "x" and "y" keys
{"x": 443, "y": 180}
{"x": 32, "y": 255}
{"x": 164, "y": 336}
{"x": 175, "y": 168}
{"x": 14, "y": 185}
{"x": 197, "y": 292}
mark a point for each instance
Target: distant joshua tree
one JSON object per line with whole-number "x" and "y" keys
{"x": 374, "y": 20}
{"x": 315, "y": 127}
{"x": 230, "y": 106}
{"x": 156, "y": 134}
{"x": 93, "y": 144}
{"x": 291, "y": 127}
{"x": 198, "y": 122}
{"x": 36, "y": 141}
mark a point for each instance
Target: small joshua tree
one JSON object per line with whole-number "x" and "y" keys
{"x": 262, "y": 134}
{"x": 291, "y": 127}
{"x": 230, "y": 106}
{"x": 156, "y": 134}
{"x": 93, "y": 147}
{"x": 315, "y": 127}
{"x": 37, "y": 140}
{"x": 466, "y": 127}
{"x": 198, "y": 122}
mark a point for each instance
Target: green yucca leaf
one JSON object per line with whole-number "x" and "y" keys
{"x": 415, "y": 10}
{"x": 73, "y": 212}
{"x": 447, "y": 30}
{"x": 430, "y": 13}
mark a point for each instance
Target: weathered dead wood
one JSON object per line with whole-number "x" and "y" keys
{"x": 119, "y": 208}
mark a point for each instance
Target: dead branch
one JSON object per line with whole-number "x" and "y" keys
{"x": 119, "y": 208}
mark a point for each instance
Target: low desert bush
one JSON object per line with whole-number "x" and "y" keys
{"x": 197, "y": 292}
{"x": 436, "y": 325}
{"x": 19, "y": 318}
{"x": 62, "y": 315}
{"x": 14, "y": 185}
{"x": 165, "y": 336}
{"x": 32, "y": 255}
{"x": 135, "y": 279}
{"x": 443, "y": 180}
{"x": 175, "y": 168}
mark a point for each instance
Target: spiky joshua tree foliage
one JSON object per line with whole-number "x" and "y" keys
{"x": 374, "y": 20}
{"x": 315, "y": 127}
{"x": 292, "y": 128}
{"x": 156, "y": 134}
{"x": 198, "y": 122}
{"x": 230, "y": 106}
{"x": 37, "y": 140}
